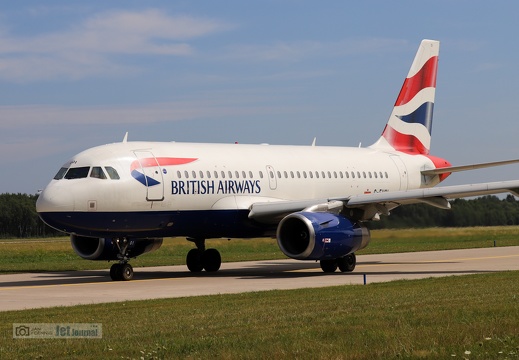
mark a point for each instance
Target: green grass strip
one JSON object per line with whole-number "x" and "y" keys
{"x": 472, "y": 317}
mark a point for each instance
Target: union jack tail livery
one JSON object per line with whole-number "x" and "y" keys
{"x": 409, "y": 127}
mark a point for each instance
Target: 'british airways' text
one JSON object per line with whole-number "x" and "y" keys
{"x": 211, "y": 187}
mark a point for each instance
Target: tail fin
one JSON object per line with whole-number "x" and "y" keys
{"x": 410, "y": 124}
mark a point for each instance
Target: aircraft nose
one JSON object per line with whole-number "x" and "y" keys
{"x": 54, "y": 199}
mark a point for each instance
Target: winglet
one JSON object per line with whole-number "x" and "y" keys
{"x": 125, "y": 139}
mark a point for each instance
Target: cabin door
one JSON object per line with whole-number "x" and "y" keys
{"x": 151, "y": 175}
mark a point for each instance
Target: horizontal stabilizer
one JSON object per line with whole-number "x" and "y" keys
{"x": 452, "y": 169}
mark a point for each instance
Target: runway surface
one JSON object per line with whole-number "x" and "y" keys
{"x": 38, "y": 290}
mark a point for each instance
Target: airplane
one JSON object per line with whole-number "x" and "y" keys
{"x": 118, "y": 201}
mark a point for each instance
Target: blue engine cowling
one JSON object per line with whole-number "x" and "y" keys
{"x": 320, "y": 236}
{"x": 103, "y": 248}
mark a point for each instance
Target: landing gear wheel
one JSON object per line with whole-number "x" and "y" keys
{"x": 347, "y": 263}
{"x": 121, "y": 272}
{"x": 114, "y": 269}
{"x": 329, "y": 266}
{"x": 211, "y": 260}
{"x": 194, "y": 260}
{"x": 125, "y": 272}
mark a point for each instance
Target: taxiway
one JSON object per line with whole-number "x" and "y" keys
{"x": 38, "y": 290}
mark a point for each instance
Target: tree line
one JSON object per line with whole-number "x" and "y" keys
{"x": 18, "y": 217}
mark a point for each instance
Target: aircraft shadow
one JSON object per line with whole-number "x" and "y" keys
{"x": 262, "y": 270}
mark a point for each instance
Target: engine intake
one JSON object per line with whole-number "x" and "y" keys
{"x": 320, "y": 235}
{"x": 103, "y": 248}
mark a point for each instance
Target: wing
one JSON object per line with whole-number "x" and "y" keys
{"x": 370, "y": 206}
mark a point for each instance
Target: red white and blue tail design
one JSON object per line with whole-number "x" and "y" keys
{"x": 409, "y": 127}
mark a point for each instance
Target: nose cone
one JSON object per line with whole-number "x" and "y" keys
{"x": 54, "y": 198}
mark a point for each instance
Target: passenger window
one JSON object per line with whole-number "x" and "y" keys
{"x": 237, "y": 174}
{"x": 208, "y": 174}
{"x": 223, "y": 174}
{"x": 376, "y": 177}
{"x": 353, "y": 174}
{"x": 261, "y": 174}
{"x": 279, "y": 174}
{"x": 324, "y": 175}
{"x": 347, "y": 174}
{"x": 292, "y": 174}
{"x": 311, "y": 174}
{"x": 97, "y": 173}
{"x": 201, "y": 174}
{"x": 369, "y": 174}
{"x": 244, "y": 175}
{"x": 194, "y": 174}
{"x": 286, "y": 174}
{"x": 386, "y": 175}
{"x": 77, "y": 173}
{"x": 60, "y": 173}
{"x": 179, "y": 175}
{"x": 299, "y": 175}
{"x": 186, "y": 174}
{"x": 271, "y": 174}
{"x": 216, "y": 174}
{"x": 250, "y": 174}
{"x": 230, "y": 174}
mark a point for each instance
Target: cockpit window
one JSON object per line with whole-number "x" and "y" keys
{"x": 98, "y": 173}
{"x": 60, "y": 173}
{"x": 112, "y": 173}
{"x": 77, "y": 173}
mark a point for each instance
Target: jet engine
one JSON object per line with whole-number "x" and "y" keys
{"x": 320, "y": 236}
{"x": 107, "y": 249}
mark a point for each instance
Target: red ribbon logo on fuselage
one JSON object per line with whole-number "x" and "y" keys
{"x": 154, "y": 162}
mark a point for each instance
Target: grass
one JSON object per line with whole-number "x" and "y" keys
{"x": 464, "y": 317}
{"x": 473, "y": 317}
{"x": 56, "y": 254}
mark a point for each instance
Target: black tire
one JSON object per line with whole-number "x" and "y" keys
{"x": 194, "y": 260}
{"x": 347, "y": 263}
{"x": 211, "y": 260}
{"x": 328, "y": 266}
{"x": 125, "y": 272}
{"x": 114, "y": 272}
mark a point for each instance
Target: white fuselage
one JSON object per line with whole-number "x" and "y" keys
{"x": 220, "y": 177}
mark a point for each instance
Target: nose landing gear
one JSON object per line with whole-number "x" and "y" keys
{"x": 122, "y": 271}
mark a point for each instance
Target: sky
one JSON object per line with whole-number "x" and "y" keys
{"x": 77, "y": 74}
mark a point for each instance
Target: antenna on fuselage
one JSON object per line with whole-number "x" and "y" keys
{"x": 125, "y": 139}
{"x": 313, "y": 142}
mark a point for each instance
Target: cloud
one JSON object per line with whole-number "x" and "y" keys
{"x": 216, "y": 107}
{"x": 95, "y": 46}
{"x": 300, "y": 50}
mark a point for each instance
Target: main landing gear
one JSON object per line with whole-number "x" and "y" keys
{"x": 199, "y": 259}
{"x": 345, "y": 264}
{"x": 122, "y": 271}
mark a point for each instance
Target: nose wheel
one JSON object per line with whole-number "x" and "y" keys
{"x": 121, "y": 272}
